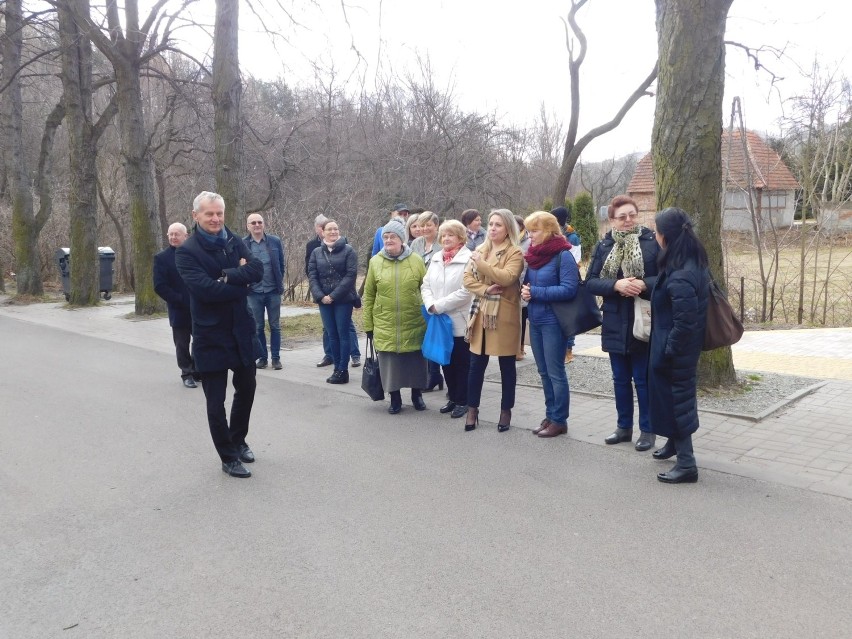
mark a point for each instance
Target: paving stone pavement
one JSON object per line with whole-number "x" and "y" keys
{"x": 807, "y": 444}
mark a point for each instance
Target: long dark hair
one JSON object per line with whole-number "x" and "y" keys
{"x": 681, "y": 242}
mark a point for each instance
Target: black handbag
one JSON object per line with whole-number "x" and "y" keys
{"x": 577, "y": 315}
{"x": 371, "y": 379}
{"x": 723, "y": 326}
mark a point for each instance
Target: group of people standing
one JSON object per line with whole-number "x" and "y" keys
{"x": 488, "y": 282}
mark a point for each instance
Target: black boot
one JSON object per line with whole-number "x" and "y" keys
{"x": 620, "y": 435}
{"x": 678, "y": 475}
{"x": 645, "y": 441}
{"x": 668, "y": 450}
{"x": 395, "y": 402}
{"x": 417, "y": 400}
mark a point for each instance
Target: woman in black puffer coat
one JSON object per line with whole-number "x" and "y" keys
{"x": 678, "y": 317}
{"x": 332, "y": 270}
{"x": 624, "y": 266}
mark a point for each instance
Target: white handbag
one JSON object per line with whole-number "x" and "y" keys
{"x": 641, "y": 319}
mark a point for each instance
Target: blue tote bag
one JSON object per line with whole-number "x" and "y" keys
{"x": 438, "y": 341}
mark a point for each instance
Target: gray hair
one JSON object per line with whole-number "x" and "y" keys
{"x": 320, "y": 219}
{"x": 206, "y": 195}
{"x": 178, "y": 225}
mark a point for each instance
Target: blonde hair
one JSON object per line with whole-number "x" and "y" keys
{"x": 511, "y": 226}
{"x": 543, "y": 221}
{"x": 412, "y": 220}
{"x": 453, "y": 227}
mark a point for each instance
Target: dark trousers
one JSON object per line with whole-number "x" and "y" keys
{"x": 685, "y": 453}
{"x": 228, "y": 438}
{"x": 456, "y": 372}
{"x": 476, "y": 377}
{"x": 181, "y": 337}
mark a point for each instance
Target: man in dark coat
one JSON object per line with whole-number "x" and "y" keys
{"x": 218, "y": 270}
{"x": 169, "y": 285}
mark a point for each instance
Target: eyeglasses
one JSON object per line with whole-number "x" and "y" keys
{"x": 622, "y": 218}
{"x": 256, "y": 222}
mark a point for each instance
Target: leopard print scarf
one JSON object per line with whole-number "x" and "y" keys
{"x": 625, "y": 255}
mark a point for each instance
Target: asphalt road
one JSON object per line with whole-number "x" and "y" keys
{"x": 116, "y": 521}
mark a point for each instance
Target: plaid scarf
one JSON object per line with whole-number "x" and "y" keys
{"x": 489, "y": 303}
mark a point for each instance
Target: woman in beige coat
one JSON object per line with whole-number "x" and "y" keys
{"x": 494, "y": 328}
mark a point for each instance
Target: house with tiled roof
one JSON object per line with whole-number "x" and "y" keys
{"x": 744, "y": 162}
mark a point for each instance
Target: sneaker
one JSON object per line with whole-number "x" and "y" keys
{"x": 276, "y": 364}
{"x": 356, "y": 361}
{"x": 261, "y": 363}
{"x": 325, "y": 361}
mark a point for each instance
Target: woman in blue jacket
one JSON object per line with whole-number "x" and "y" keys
{"x": 678, "y": 318}
{"x": 552, "y": 276}
{"x": 623, "y": 267}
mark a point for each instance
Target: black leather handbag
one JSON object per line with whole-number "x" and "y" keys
{"x": 371, "y": 379}
{"x": 577, "y": 315}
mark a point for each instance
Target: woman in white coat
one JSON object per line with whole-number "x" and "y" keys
{"x": 443, "y": 292}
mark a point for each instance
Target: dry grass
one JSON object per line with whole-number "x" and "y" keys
{"x": 828, "y": 270}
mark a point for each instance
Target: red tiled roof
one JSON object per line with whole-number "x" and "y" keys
{"x": 767, "y": 169}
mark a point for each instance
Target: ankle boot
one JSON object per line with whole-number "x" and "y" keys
{"x": 620, "y": 435}
{"x": 505, "y": 420}
{"x": 645, "y": 441}
{"x": 472, "y": 419}
{"x": 395, "y": 402}
{"x": 417, "y": 400}
{"x": 668, "y": 450}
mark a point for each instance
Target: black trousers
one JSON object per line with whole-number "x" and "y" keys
{"x": 476, "y": 377}
{"x": 181, "y": 337}
{"x": 456, "y": 372}
{"x": 227, "y": 438}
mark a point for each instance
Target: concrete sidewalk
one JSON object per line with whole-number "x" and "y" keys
{"x": 806, "y": 445}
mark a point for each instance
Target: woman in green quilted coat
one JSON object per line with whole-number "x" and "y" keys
{"x": 392, "y": 316}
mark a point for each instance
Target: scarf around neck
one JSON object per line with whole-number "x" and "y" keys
{"x": 540, "y": 254}
{"x": 219, "y": 240}
{"x": 449, "y": 254}
{"x": 626, "y": 255}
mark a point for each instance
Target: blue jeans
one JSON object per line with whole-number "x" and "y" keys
{"x": 628, "y": 370}
{"x": 336, "y": 318}
{"x": 354, "y": 351}
{"x": 548, "y": 347}
{"x": 271, "y": 303}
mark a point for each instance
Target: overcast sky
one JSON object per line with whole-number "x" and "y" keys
{"x": 509, "y": 57}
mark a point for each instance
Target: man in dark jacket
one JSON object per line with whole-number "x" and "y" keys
{"x": 169, "y": 285}
{"x": 218, "y": 270}
{"x": 265, "y": 296}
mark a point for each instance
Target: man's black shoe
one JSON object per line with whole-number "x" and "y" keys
{"x": 261, "y": 363}
{"x": 235, "y": 469}
{"x": 325, "y": 361}
{"x": 356, "y": 361}
{"x": 189, "y": 382}
{"x": 246, "y": 456}
{"x": 276, "y": 364}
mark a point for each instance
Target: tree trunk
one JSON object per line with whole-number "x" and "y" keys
{"x": 687, "y": 134}
{"x": 227, "y": 90}
{"x": 82, "y": 197}
{"x": 139, "y": 175}
{"x": 24, "y": 230}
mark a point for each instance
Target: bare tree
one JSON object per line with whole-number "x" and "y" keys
{"x": 577, "y": 45}
{"x": 227, "y": 90}
{"x": 83, "y": 134}
{"x": 687, "y": 134}
{"x": 128, "y": 44}
{"x": 26, "y": 222}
